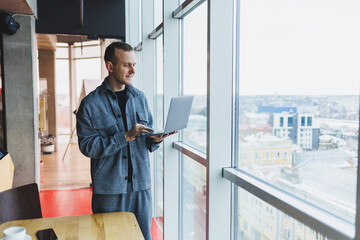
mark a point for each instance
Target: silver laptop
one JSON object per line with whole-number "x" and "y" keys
{"x": 178, "y": 115}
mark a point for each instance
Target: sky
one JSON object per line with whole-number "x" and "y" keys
{"x": 299, "y": 47}
{"x": 295, "y": 47}
{"x": 195, "y": 51}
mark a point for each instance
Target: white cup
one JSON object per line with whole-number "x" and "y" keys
{"x": 15, "y": 233}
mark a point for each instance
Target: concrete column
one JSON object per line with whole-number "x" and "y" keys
{"x": 21, "y": 101}
{"x": 47, "y": 70}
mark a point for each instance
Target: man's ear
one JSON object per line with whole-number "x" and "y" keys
{"x": 109, "y": 66}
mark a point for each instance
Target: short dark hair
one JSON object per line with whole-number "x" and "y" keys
{"x": 110, "y": 50}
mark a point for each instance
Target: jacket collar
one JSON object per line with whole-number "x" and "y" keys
{"x": 105, "y": 87}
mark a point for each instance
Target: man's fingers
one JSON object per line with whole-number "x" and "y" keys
{"x": 140, "y": 128}
{"x": 146, "y": 130}
{"x": 169, "y": 134}
{"x": 158, "y": 138}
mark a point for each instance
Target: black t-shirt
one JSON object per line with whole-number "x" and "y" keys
{"x": 122, "y": 98}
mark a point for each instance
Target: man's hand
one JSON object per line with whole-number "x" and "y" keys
{"x": 136, "y": 130}
{"x": 159, "y": 138}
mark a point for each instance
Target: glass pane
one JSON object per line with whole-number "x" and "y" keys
{"x": 258, "y": 220}
{"x": 159, "y": 182}
{"x": 193, "y": 199}
{"x": 61, "y": 44}
{"x": 140, "y": 21}
{"x": 87, "y": 69}
{"x": 87, "y": 51}
{"x": 159, "y": 124}
{"x": 62, "y": 97}
{"x": 61, "y": 52}
{"x": 158, "y": 12}
{"x": 195, "y": 74}
{"x": 159, "y": 83}
{"x": 299, "y": 98}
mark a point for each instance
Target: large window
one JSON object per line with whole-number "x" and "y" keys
{"x": 88, "y": 63}
{"x": 195, "y": 73}
{"x": 87, "y": 66}
{"x": 194, "y": 82}
{"x": 291, "y": 133}
{"x": 298, "y": 122}
{"x": 193, "y": 200}
{"x": 62, "y": 89}
{"x": 158, "y": 12}
{"x": 159, "y": 124}
{"x": 259, "y": 220}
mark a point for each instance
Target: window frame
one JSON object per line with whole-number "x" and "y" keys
{"x": 172, "y": 66}
{"x": 308, "y": 214}
{"x": 314, "y": 217}
{"x": 218, "y": 192}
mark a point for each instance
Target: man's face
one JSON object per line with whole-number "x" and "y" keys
{"x": 124, "y": 68}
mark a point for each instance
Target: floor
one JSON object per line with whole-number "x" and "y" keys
{"x": 65, "y": 185}
{"x": 65, "y": 171}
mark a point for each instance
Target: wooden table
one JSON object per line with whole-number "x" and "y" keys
{"x": 117, "y": 225}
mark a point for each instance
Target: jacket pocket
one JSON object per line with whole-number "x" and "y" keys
{"x": 105, "y": 125}
{"x": 140, "y": 118}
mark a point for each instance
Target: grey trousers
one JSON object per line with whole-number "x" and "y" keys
{"x": 138, "y": 203}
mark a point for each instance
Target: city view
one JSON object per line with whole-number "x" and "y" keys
{"x": 306, "y": 145}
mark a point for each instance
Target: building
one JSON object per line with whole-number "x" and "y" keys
{"x": 264, "y": 149}
{"x": 320, "y": 177}
{"x": 301, "y": 128}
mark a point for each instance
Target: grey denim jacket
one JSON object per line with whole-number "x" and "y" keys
{"x": 101, "y": 136}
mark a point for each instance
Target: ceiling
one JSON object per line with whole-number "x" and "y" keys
{"x": 18, "y": 6}
{"x": 48, "y": 41}
{"x": 44, "y": 41}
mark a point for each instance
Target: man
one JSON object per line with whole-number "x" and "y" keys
{"x": 111, "y": 124}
